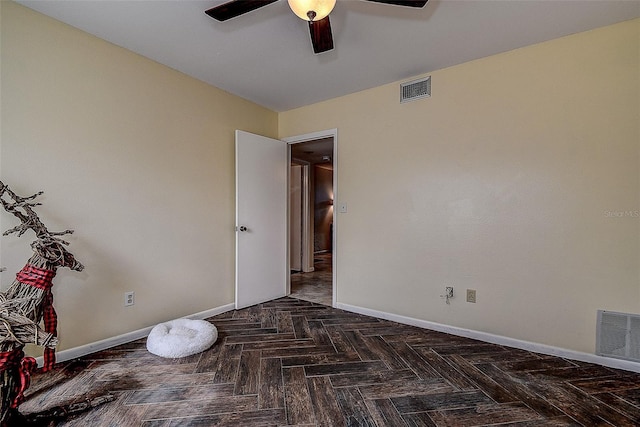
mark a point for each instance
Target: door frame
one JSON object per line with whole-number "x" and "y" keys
{"x": 306, "y": 255}
{"x": 329, "y": 133}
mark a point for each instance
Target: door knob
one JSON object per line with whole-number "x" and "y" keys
{"x": 242, "y": 228}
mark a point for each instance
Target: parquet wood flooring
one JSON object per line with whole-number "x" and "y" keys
{"x": 290, "y": 362}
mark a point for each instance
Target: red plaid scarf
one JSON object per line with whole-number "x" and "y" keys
{"x": 43, "y": 279}
{"x": 25, "y": 365}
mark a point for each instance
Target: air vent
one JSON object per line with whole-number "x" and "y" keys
{"x": 618, "y": 335}
{"x": 415, "y": 89}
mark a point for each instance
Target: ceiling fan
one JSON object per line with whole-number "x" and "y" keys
{"x": 316, "y": 12}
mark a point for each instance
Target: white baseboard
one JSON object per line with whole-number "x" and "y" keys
{"x": 496, "y": 339}
{"x": 74, "y": 353}
{"x": 83, "y": 350}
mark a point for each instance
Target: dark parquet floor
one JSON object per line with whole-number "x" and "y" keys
{"x": 296, "y": 363}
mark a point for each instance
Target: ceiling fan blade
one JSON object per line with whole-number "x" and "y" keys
{"x": 321, "y": 36}
{"x": 236, "y": 8}
{"x": 408, "y": 3}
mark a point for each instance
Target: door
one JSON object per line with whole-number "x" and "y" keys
{"x": 261, "y": 219}
{"x": 295, "y": 218}
{"x": 301, "y": 259}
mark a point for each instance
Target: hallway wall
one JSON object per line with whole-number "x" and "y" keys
{"x": 323, "y": 213}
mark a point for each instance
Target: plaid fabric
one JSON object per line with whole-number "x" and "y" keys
{"x": 26, "y": 365}
{"x": 50, "y": 325}
{"x": 43, "y": 279}
{"x": 37, "y": 277}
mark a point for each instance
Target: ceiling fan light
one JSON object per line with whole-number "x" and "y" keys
{"x": 312, "y": 10}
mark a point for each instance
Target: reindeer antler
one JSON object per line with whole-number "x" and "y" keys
{"x": 21, "y": 207}
{"x": 47, "y": 244}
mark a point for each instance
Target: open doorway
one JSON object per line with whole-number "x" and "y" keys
{"x": 311, "y": 244}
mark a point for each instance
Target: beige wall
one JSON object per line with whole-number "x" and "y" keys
{"x": 134, "y": 156}
{"x": 509, "y": 180}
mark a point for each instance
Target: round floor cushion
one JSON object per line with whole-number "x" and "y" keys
{"x": 181, "y": 338}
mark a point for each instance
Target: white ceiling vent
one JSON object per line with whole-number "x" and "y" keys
{"x": 618, "y": 335}
{"x": 415, "y": 89}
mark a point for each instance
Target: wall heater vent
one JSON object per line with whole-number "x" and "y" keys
{"x": 618, "y": 335}
{"x": 415, "y": 89}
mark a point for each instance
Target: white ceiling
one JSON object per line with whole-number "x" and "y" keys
{"x": 265, "y": 56}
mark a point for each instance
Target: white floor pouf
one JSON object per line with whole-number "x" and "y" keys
{"x": 181, "y": 338}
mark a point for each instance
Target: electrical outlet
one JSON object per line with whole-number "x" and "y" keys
{"x": 129, "y": 298}
{"x": 449, "y": 291}
{"x": 471, "y": 295}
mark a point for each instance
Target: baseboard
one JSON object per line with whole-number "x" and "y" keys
{"x": 497, "y": 339}
{"x": 74, "y": 353}
{"x": 83, "y": 350}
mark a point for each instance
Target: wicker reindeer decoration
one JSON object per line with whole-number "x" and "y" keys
{"x": 28, "y": 302}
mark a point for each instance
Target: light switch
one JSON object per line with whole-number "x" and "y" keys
{"x": 342, "y": 208}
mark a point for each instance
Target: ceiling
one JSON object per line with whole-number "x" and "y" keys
{"x": 265, "y": 56}
{"x": 316, "y": 152}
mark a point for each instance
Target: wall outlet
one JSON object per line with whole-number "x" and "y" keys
{"x": 129, "y": 298}
{"x": 471, "y": 295}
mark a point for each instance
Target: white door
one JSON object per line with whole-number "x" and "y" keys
{"x": 261, "y": 219}
{"x": 295, "y": 218}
